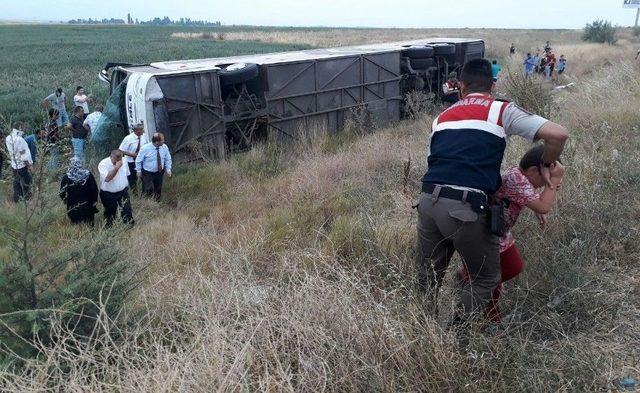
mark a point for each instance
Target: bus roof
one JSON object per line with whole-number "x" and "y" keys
{"x": 168, "y": 67}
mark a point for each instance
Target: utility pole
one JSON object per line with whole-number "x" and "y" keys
{"x": 637, "y": 16}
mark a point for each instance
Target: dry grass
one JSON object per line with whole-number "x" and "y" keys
{"x": 498, "y": 41}
{"x": 291, "y": 270}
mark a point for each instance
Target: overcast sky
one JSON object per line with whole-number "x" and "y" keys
{"x": 374, "y": 13}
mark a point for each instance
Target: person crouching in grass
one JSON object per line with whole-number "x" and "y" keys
{"x": 519, "y": 189}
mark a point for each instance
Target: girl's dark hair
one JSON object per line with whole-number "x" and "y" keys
{"x": 532, "y": 158}
{"x": 477, "y": 76}
{"x": 78, "y": 88}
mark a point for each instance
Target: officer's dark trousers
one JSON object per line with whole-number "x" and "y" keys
{"x": 21, "y": 184}
{"x": 445, "y": 226}
{"x": 152, "y": 183}
{"x": 133, "y": 177}
{"x": 114, "y": 200}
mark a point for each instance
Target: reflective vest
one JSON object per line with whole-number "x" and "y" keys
{"x": 467, "y": 144}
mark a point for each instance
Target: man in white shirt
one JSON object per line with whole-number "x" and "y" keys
{"x": 21, "y": 162}
{"x": 114, "y": 188}
{"x": 130, "y": 147}
{"x": 91, "y": 122}
{"x": 153, "y": 161}
{"x": 80, "y": 99}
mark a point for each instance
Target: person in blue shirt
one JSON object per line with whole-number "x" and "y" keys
{"x": 562, "y": 65}
{"x": 529, "y": 65}
{"x": 536, "y": 62}
{"x": 152, "y": 162}
{"x": 495, "y": 70}
{"x": 32, "y": 141}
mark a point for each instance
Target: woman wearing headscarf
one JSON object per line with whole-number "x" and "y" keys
{"x": 78, "y": 189}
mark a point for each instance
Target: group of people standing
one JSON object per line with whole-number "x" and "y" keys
{"x": 22, "y": 149}
{"x": 137, "y": 159}
{"x": 80, "y": 124}
{"x": 546, "y": 64}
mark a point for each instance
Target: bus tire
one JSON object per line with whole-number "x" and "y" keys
{"x": 238, "y": 73}
{"x": 418, "y": 52}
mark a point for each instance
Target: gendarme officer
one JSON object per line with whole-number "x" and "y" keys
{"x": 468, "y": 141}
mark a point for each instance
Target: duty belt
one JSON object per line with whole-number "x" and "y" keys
{"x": 477, "y": 200}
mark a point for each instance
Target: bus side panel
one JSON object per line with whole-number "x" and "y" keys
{"x": 191, "y": 111}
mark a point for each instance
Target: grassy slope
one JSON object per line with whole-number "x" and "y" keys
{"x": 292, "y": 269}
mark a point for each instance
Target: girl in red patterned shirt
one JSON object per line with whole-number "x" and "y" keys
{"x": 520, "y": 187}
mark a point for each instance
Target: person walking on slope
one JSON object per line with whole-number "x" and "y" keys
{"x": 81, "y": 99}
{"x": 79, "y": 191}
{"x": 529, "y": 65}
{"x": 495, "y": 70}
{"x": 91, "y": 122}
{"x": 78, "y": 132}
{"x": 550, "y": 64}
{"x": 130, "y": 147}
{"x": 519, "y": 190}
{"x": 536, "y": 61}
{"x": 21, "y": 162}
{"x": 468, "y": 142}
{"x": 153, "y": 161}
{"x": 451, "y": 90}
{"x": 114, "y": 188}
{"x": 56, "y": 101}
{"x": 562, "y": 64}
{"x": 33, "y": 141}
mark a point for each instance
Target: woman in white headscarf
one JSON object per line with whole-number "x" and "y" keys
{"x": 78, "y": 189}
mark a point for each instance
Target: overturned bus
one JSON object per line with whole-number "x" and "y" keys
{"x": 227, "y": 104}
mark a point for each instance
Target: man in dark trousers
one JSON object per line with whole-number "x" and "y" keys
{"x": 21, "y": 162}
{"x": 468, "y": 141}
{"x": 78, "y": 132}
{"x": 130, "y": 147}
{"x": 114, "y": 188}
{"x": 153, "y": 161}
{"x": 32, "y": 141}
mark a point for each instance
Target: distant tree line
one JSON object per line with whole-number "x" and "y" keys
{"x": 91, "y": 21}
{"x": 166, "y": 21}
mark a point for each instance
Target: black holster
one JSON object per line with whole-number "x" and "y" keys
{"x": 496, "y": 215}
